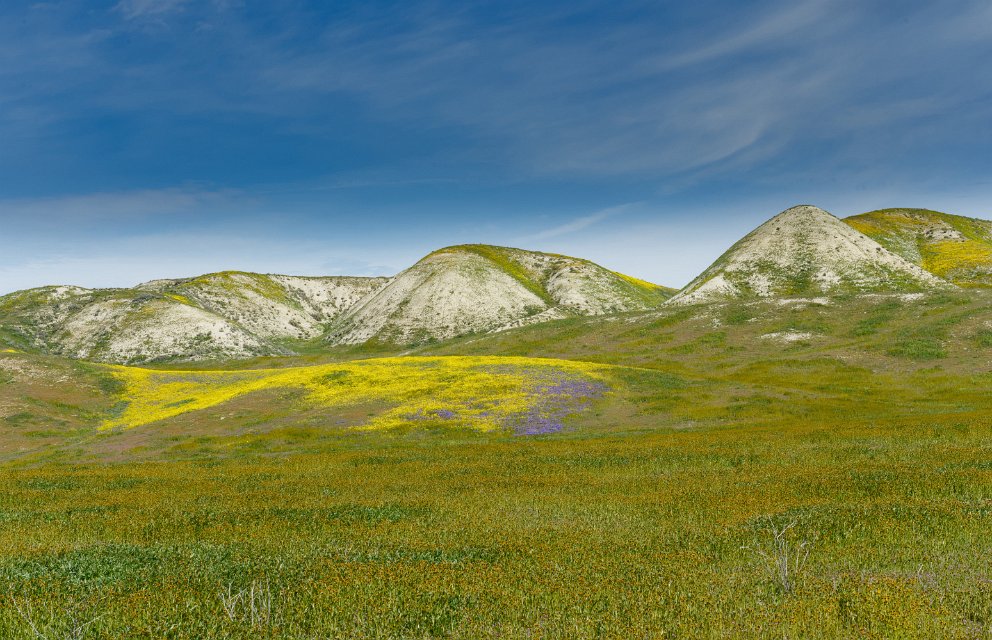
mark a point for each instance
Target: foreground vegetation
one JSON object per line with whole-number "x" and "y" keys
{"x": 707, "y": 482}
{"x": 471, "y": 536}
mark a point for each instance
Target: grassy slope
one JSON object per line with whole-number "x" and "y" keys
{"x": 503, "y": 257}
{"x": 966, "y": 261}
{"x": 644, "y": 519}
{"x": 499, "y": 257}
{"x": 235, "y": 284}
{"x": 649, "y": 290}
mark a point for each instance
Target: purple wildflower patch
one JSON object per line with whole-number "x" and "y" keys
{"x": 552, "y": 395}
{"x": 443, "y": 414}
{"x": 557, "y": 396}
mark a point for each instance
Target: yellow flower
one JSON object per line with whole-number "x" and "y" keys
{"x": 477, "y": 392}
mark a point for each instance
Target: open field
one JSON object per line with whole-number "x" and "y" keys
{"x": 328, "y": 496}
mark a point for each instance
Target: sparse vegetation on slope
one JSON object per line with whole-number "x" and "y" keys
{"x": 479, "y": 289}
{"x": 805, "y": 251}
{"x": 213, "y": 317}
{"x": 233, "y": 314}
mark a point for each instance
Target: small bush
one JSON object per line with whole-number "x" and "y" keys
{"x": 782, "y": 558}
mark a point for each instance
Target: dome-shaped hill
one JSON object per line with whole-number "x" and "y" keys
{"x": 955, "y": 248}
{"x": 805, "y": 251}
{"x": 480, "y": 288}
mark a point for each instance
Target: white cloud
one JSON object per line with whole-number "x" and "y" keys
{"x": 115, "y": 206}
{"x": 574, "y": 225}
{"x": 768, "y": 30}
{"x": 134, "y": 9}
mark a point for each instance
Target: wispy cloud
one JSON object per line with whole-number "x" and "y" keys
{"x": 576, "y": 224}
{"x": 559, "y": 93}
{"x": 117, "y": 206}
{"x": 133, "y": 9}
{"x": 625, "y": 101}
{"x": 769, "y": 30}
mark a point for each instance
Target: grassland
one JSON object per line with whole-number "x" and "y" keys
{"x": 257, "y": 507}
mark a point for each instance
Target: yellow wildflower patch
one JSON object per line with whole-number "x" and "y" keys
{"x": 947, "y": 256}
{"x": 480, "y": 392}
{"x": 637, "y": 282}
{"x": 179, "y": 298}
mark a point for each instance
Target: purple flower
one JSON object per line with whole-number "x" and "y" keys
{"x": 556, "y": 397}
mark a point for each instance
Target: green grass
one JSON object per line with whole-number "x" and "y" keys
{"x": 919, "y": 348}
{"x": 500, "y": 257}
{"x": 983, "y": 338}
{"x": 576, "y": 536}
{"x": 965, "y": 259}
{"x": 651, "y": 514}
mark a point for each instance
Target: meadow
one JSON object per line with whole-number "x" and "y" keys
{"x": 691, "y": 477}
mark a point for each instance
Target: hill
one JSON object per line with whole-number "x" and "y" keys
{"x": 216, "y": 316}
{"x": 805, "y": 251}
{"x": 956, "y": 248}
{"x": 238, "y": 315}
{"x": 481, "y": 288}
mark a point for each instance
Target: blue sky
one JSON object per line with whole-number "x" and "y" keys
{"x": 153, "y": 138}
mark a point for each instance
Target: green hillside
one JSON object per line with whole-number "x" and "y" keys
{"x": 603, "y": 466}
{"x": 956, "y": 248}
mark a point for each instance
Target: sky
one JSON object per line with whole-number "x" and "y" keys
{"x": 142, "y": 139}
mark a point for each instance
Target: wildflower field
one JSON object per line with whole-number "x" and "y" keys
{"x": 647, "y": 476}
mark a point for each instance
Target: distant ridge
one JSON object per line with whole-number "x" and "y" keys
{"x": 236, "y": 315}
{"x": 475, "y": 289}
{"x": 955, "y": 248}
{"x": 805, "y": 251}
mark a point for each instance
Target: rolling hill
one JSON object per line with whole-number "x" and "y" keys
{"x": 216, "y": 316}
{"x": 641, "y": 474}
{"x": 481, "y": 288}
{"x": 956, "y": 248}
{"x": 237, "y": 315}
{"x": 805, "y": 251}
